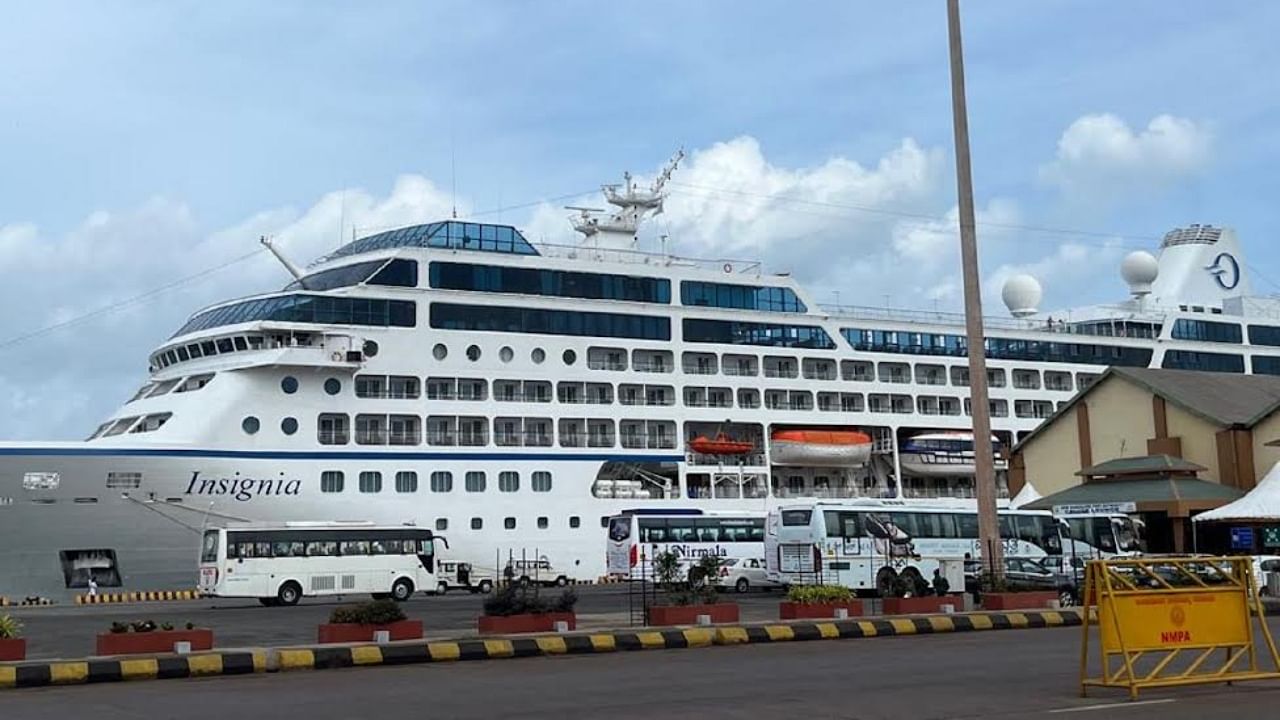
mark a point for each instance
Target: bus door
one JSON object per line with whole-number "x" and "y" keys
{"x": 426, "y": 551}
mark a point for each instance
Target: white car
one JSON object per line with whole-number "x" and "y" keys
{"x": 1262, "y": 566}
{"x": 743, "y": 574}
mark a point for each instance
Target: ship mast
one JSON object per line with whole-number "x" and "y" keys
{"x": 617, "y": 230}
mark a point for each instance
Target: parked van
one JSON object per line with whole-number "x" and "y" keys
{"x": 462, "y": 576}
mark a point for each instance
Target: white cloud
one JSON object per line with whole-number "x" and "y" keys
{"x": 1100, "y": 154}
{"x": 1064, "y": 274}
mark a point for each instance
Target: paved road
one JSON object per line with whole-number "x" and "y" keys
{"x": 68, "y": 631}
{"x": 1012, "y": 674}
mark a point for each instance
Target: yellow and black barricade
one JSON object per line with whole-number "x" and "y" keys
{"x": 1166, "y": 621}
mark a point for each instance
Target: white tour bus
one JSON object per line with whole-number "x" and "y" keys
{"x": 1100, "y": 531}
{"x": 636, "y": 536}
{"x": 870, "y": 545}
{"x": 279, "y": 563}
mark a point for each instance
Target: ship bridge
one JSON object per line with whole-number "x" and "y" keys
{"x": 447, "y": 235}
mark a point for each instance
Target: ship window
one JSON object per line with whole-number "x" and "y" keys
{"x": 508, "y": 481}
{"x": 541, "y": 481}
{"x": 538, "y": 355}
{"x": 575, "y": 521}
{"x": 441, "y": 481}
{"x": 406, "y": 481}
{"x": 183, "y": 356}
{"x": 506, "y": 354}
{"x": 439, "y": 352}
{"x": 477, "y": 523}
{"x": 224, "y": 345}
{"x": 333, "y": 386}
{"x": 475, "y": 481}
{"x": 1206, "y": 331}
{"x": 543, "y": 523}
{"x": 331, "y": 481}
{"x": 1213, "y": 362}
{"x": 239, "y": 342}
{"x": 570, "y": 357}
{"x": 289, "y": 426}
{"x": 250, "y": 425}
{"x": 289, "y": 384}
{"x": 1266, "y": 365}
{"x": 553, "y": 283}
{"x": 1264, "y": 335}
{"x": 449, "y": 234}
{"x": 164, "y": 387}
{"x": 448, "y": 316}
{"x": 302, "y": 308}
{"x": 740, "y": 297}
{"x": 370, "y": 482}
{"x": 397, "y": 273}
{"x": 442, "y": 523}
{"x": 509, "y": 523}
{"x": 195, "y": 382}
{"x": 473, "y": 352}
{"x": 333, "y": 429}
{"x": 338, "y": 277}
{"x": 752, "y": 333}
{"x": 124, "y": 480}
{"x": 119, "y": 426}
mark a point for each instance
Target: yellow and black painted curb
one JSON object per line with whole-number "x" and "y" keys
{"x": 137, "y": 596}
{"x": 80, "y": 672}
{"x": 404, "y": 653}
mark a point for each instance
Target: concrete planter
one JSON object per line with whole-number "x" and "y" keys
{"x": 154, "y": 642}
{"x": 515, "y": 624}
{"x": 721, "y": 613}
{"x": 1034, "y": 600}
{"x": 352, "y": 632}
{"x": 14, "y": 649}
{"x": 920, "y": 605}
{"x": 817, "y": 611}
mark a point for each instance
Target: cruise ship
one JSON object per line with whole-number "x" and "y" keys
{"x": 513, "y": 396}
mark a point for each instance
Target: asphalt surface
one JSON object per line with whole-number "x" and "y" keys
{"x": 1008, "y": 674}
{"x": 68, "y": 631}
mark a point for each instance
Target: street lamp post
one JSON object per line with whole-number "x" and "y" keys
{"x": 983, "y": 460}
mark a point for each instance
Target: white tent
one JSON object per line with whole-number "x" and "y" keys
{"x": 1026, "y": 495}
{"x": 1261, "y": 503}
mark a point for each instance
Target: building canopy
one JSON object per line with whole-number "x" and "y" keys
{"x": 1154, "y": 483}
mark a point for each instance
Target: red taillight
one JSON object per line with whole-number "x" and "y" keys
{"x": 635, "y": 554}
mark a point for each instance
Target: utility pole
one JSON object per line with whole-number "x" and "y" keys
{"x": 983, "y": 460}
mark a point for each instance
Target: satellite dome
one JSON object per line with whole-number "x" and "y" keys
{"x": 1139, "y": 269}
{"x": 1021, "y": 294}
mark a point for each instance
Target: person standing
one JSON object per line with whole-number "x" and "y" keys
{"x": 93, "y": 586}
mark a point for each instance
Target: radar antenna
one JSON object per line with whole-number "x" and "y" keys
{"x": 619, "y": 229}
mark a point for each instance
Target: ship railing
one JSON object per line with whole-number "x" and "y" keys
{"x": 749, "y": 459}
{"x": 606, "y": 365}
{"x": 586, "y": 253}
{"x": 334, "y": 437}
{"x": 1112, "y": 326}
{"x": 652, "y": 367}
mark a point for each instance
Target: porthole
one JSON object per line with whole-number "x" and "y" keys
{"x": 473, "y": 352}
{"x": 439, "y": 352}
{"x": 538, "y": 355}
{"x": 570, "y": 357}
{"x": 370, "y": 348}
{"x": 505, "y": 354}
{"x": 333, "y": 386}
{"x": 250, "y": 425}
{"x": 289, "y": 385}
{"x": 289, "y": 426}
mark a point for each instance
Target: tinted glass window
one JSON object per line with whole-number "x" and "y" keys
{"x": 1213, "y": 362}
{"x": 449, "y": 316}
{"x": 796, "y": 517}
{"x": 558, "y": 283}
{"x": 997, "y": 348}
{"x": 300, "y": 308}
{"x": 730, "y": 332}
{"x": 1206, "y": 331}
{"x": 741, "y": 297}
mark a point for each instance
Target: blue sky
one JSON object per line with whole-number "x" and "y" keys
{"x": 148, "y": 141}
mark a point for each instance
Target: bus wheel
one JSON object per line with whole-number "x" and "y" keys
{"x": 290, "y": 593}
{"x": 562, "y": 581}
{"x": 486, "y": 586}
{"x": 886, "y": 582}
{"x": 524, "y": 581}
{"x": 402, "y": 590}
{"x": 442, "y": 588}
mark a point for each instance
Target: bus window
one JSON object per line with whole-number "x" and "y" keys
{"x": 355, "y": 547}
{"x": 620, "y": 528}
{"x": 321, "y": 548}
{"x": 282, "y": 549}
{"x": 709, "y": 530}
{"x": 209, "y": 550}
{"x": 681, "y": 530}
{"x": 796, "y": 517}
{"x": 936, "y": 525}
{"x": 1006, "y": 528}
{"x": 426, "y": 547}
{"x": 651, "y": 531}
{"x": 756, "y": 532}
{"x": 906, "y": 522}
{"x": 968, "y": 525}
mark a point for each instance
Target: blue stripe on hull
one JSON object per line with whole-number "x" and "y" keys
{"x": 327, "y": 455}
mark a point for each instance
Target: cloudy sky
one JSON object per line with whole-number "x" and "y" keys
{"x": 145, "y": 146}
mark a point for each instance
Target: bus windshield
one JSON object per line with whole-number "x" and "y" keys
{"x": 209, "y": 549}
{"x": 1126, "y": 535}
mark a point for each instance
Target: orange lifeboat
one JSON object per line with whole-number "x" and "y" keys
{"x": 822, "y": 448}
{"x": 720, "y": 445}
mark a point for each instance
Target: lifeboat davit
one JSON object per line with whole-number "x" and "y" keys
{"x": 721, "y": 445}
{"x": 820, "y": 448}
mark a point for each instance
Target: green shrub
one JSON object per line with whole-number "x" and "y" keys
{"x": 377, "y": 612}
{"x": 118, "y": 627}
{"x": 526, "y": 600}
{"x": 819, "y": 594}
{"x": 10, "y": 628}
